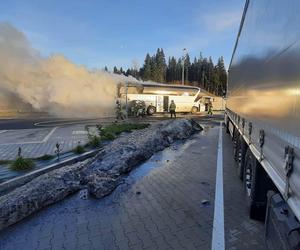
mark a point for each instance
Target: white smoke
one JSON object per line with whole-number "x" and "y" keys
{"x": 53, "y": 84}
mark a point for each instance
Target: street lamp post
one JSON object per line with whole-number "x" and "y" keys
{"x": 183, "y": 59}
{"x": 126, "y": 103}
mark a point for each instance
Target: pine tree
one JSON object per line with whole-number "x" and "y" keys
{"x": 160, "y": 65}
{"x": 146, "y": 70}
{"x": 154, "y": 69}
{"x": 116, "y": 70}
{"x": 201, "y": 72}
{"x": 172, "y": 70}
{"x": 128, "y": 72}
{"x": 168, "y": 71}
{"x": 205, "y": 74}
{"x": 222, "y": 76}
{"x": 178, "y": 71}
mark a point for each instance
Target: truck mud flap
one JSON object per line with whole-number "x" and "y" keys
{"x": 282, "y": 227}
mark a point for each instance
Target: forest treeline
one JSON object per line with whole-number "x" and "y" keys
{"x": 201, "y": 71}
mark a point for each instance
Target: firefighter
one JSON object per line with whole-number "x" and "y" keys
{"x": 172, "y": 109}
{"x": 210, "y": 107}
{"x": 119, "y": 113}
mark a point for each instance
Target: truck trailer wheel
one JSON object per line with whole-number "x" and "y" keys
{"x": 226, "y": 123}
{"x": 235, "y": 139}
{"x": 241, "y": 153}
{"x": 255, "y": 190}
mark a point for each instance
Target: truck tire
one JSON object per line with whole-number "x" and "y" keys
{"x": 235, "y": 140}
{"x": 227, "y": 127}
{"x": 194, "y": 110}
{"x": 255, "y": 188}
{"x": 241, "y": 153}
{"x": 151, "y": 110}
{"x": 226, "y": 123}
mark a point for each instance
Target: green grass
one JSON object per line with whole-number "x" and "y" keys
{"x": 22, "y": 164}
{"x": 94, "y": 141}
{"x": 21, "y": 160}
{"x": 111, "y": 131}
{"x": 79, "y": 149}
{"x": 45, "y": 157}
{"x": 107, "y": 135}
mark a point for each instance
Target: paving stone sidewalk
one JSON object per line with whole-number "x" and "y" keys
{"x": 166, "y": 203}
{"x": 158, "y": 207}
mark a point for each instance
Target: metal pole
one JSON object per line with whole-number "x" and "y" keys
{"x": 223, "y": 99}
{"x": 126, "y": 106}
{"x": 183, "y": 59}
{"x": 182, "y": 80}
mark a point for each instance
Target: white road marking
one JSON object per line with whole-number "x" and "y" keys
{"x": 32, "y": 142}
{"x": 218, "y": 242}
{"x": 49, "y": 135}
{"x": 79, "y": 132}
{"x": 3, "y": 131}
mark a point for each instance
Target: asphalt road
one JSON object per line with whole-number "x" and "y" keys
{"x": 166, "y": 203}
{"x": 35, "y": 122}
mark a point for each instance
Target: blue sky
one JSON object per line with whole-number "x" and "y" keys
{"x": 96, "y": 33}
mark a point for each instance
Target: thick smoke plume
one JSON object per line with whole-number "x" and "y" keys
{"x": 54, "y": 85}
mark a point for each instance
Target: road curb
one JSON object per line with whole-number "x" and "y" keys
{"x": 9, "y": 185}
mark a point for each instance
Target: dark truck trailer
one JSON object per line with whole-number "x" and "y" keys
{"x": 263, "y": 116}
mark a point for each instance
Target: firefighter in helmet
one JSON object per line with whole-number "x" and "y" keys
{"x": 172, "y": 109}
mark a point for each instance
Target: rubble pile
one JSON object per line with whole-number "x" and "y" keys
{"x": 100, "y": 175}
